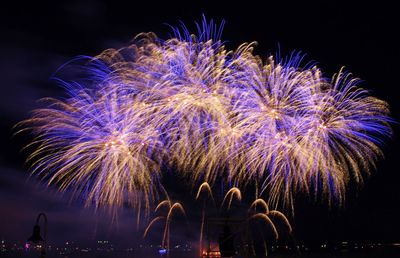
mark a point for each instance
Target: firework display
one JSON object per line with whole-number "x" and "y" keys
{"x": 211, "y": 113}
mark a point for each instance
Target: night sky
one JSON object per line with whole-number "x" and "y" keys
{"x": 39, "y": 37}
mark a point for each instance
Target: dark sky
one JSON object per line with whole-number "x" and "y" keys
{"x": 38, "y": 37}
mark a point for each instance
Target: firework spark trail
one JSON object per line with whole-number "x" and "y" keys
{"x": 166, "y": 236}
{"x": 213, "y": 114}
{"x": 204, "y": 187}
{"x": 260, "y": 202}
{"x": 269, "y": 222}
{"x": 282, "y": 217}
{"x": 233, "y": 192}
{"x": 266, "y": 217}
{"x": 272, "y": 214}
{"x": 166, "y": 203}
{"x": 152, "y": 222}
{"x": 171, "y": 207}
